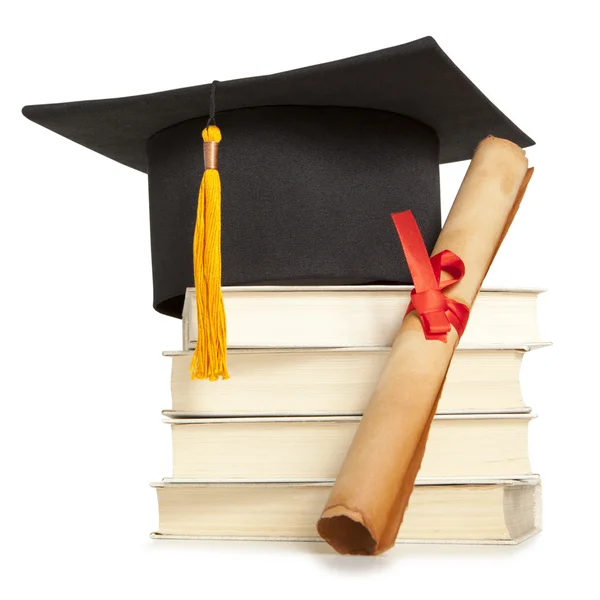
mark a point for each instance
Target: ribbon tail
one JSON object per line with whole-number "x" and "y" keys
{"x": 458, "y": 315}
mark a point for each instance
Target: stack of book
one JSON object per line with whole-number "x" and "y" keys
{"x": 255, "y": 456}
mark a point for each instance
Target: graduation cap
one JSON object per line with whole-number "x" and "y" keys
{"x": 313, "y": 162}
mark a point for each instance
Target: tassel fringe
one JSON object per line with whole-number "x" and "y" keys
{"x": 210, "y": 356}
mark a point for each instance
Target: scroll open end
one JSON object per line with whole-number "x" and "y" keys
{"x": 345, "y": 530}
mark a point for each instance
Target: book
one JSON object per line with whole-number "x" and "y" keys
{"x": 495, "y": 512}
{"x": 313, "y": 448}
{"x": 353, "y": 316}
{"x": 339, "y": 381}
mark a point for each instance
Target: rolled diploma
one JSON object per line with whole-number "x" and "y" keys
{"x": 366, "y": 506}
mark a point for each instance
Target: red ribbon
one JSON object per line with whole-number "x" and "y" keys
{"x": 437, "y": 312}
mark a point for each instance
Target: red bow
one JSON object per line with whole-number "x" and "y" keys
{"x": 436, "y": 311}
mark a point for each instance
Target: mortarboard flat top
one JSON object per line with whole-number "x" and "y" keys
{"x": 416, "y": 79}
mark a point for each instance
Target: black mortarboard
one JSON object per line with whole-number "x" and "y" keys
{"x": 313, "y": 163}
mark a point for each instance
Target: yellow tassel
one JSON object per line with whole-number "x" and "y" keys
{"x": 210, "y": 356}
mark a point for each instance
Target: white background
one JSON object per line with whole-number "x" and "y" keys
{"x": 82, "y": 377}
